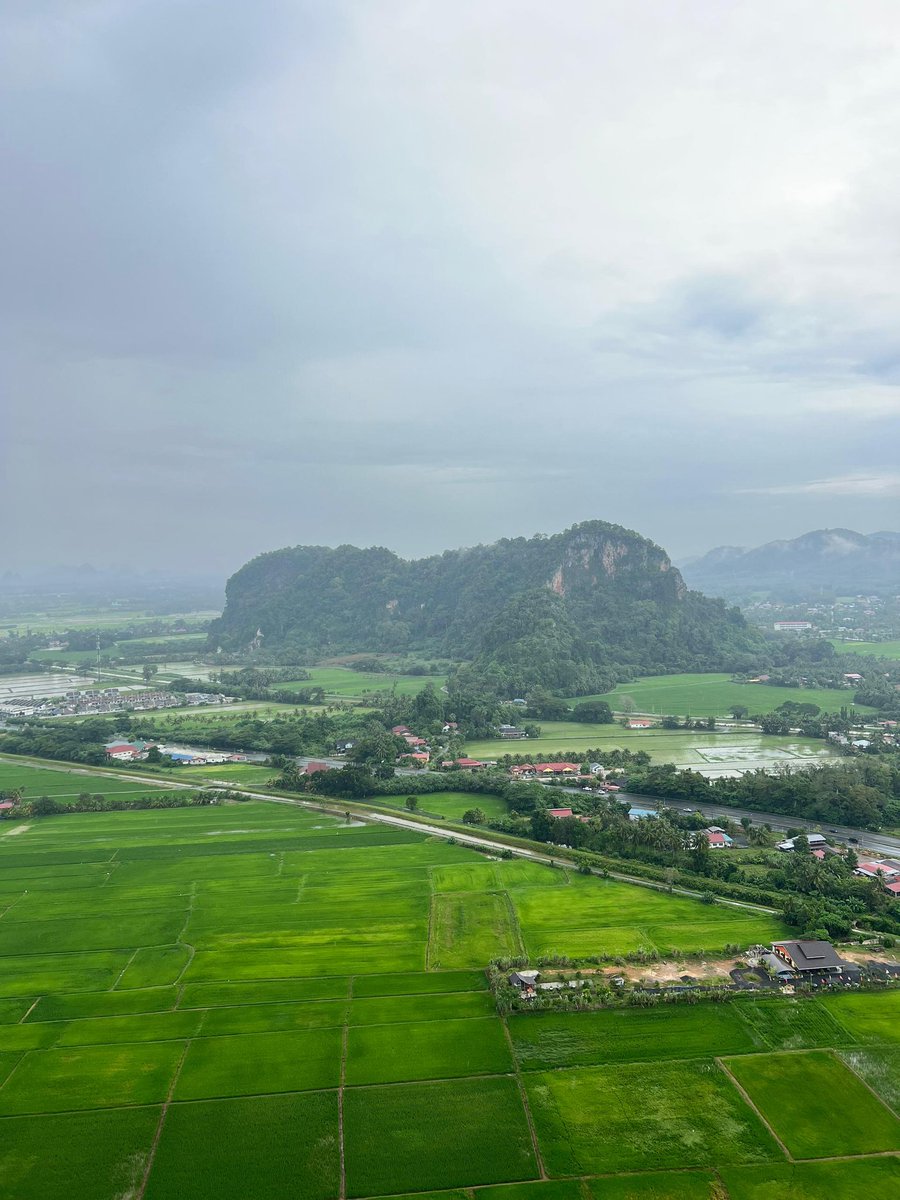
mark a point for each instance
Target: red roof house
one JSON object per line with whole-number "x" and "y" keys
{"x": 313, "y": 767}
{"x": 561, "y": 812}
{"x": 557, "y": 768}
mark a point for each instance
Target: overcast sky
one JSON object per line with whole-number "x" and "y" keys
{"x": 425, "y": 274}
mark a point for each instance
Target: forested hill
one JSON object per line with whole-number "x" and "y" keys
{"x": 561, "y": 612}
{"x": 824, "y": 561}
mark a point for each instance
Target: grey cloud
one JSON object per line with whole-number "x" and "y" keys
{"x": 285, "y": 272}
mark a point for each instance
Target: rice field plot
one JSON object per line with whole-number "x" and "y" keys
{"x": 797, "y": 1093}
{"x": 413, "y": 984}
{"x": 604, "y": 917}
{"x": 468, "y": 930}
{"x": 447, "y": 1049}
{"x": 869, "y": 1017}
{"x": 711, "y": 695}
{"x": 546, "y": 1040}
{"x": 65, "y": 782}
{"x": 275, "y": 1018}
{"x": 76, "y": 1156}
{"x": 545, "y": 1189}
{"x": 93, "y": 1077}
{"x": 12, "y": 1011}
{"x": 642, "y": 1116}
{"x": 727, "y": 749}
{"x": 788, "y": 1023}
{"x": 661, "y": 1185}
{"x": 280, "y": 1147}
{"x": 16, "y": 1039}
{"x": 142, "y": 1027}
{"x": 387, "y": 1010}
{"x": 226, "y": 995}
{"x": 35, "y": 975}
{"x": 155, "y": 966}
{"x": 358, "y": 951}
{"x": 348, "y": 684}
{"x": 448, "y": 806}
{"x": 889, "y": 649}
{"x": 880, "y": 1069}
{"x": 257, "y": 1063}
{"x": 874, "y": 1178}
{"x": 71, "y": 1006}
{"x": 413, "y": 1137}
{"x": 88, "y": 933}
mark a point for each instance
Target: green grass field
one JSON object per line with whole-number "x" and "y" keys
{"x": 66, "y": 783}
{"x": 295, "y": 993}
{"x": 345, "y": 684}
{"x": 688, "y": 748}
{"x": 796, "y": 1093}
{"x": 877, "y": 649}
{"x": 635, "y": 1116}
{"x": 711, "y": 695}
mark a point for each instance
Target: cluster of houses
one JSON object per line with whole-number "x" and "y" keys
{"x": 817, "y": 842}
{"x": 137, "y": 751}
{"x": 419, "y": 749}
{"x": 886, "y": 869}
{"x": 109, "y": 700}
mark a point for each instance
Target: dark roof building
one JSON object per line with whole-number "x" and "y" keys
{"x": 816, "y": 957}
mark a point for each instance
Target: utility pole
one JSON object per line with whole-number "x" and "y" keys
{"x": 98, "y": 655}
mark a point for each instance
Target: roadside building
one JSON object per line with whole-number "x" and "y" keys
{"x": 808, "y": 957}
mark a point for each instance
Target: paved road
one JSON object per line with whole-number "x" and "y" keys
{"x": 882, "y": 843}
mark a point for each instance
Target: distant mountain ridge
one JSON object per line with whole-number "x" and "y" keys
{"x": 837, "y": 560}
{"x": 562, "y": 611}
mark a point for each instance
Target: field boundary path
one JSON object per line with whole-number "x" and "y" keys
{"x": 164, "y": 1112}
{"x": 538, "y": 1157}
{"x": 345, "y": 1037}
{"x": 720, "y": 1063}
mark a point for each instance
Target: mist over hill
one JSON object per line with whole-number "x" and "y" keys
{"x": 567, "y": 612}
{"x": 824, "y": 561}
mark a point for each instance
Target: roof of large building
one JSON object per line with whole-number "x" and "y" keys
{"x": 811, "y": 956}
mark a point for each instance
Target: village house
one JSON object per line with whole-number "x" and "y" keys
{"x": 547, "y": 770}
{"x": 464, "y": 764}
{"x": 512, "y": 732}
{"x": 526, "y": 982}
{"x": 640, "y": 723}
{"x": 815, "y": 840}
{"x": 560, "y": 812}
{"x": 888, "y": 870}
{"x": 806, "y": 958}
{"x": 717, "y": 838}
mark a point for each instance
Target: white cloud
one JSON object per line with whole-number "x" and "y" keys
{"x": 886, "y": 484}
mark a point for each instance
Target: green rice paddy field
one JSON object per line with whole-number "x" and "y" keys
{"x": 256, "y": 1000}
{"x": 689, "y": 748}
{"x": 879, "y": 649}
{"x": 710, "y": 695}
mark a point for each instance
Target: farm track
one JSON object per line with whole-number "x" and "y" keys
{"x": 745, "y": 1095}
{"x": 538, "y": 1157}
{"x": 162, "y": 1120}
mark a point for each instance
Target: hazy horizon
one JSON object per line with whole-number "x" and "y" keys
{"x": 420, "y": 277}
